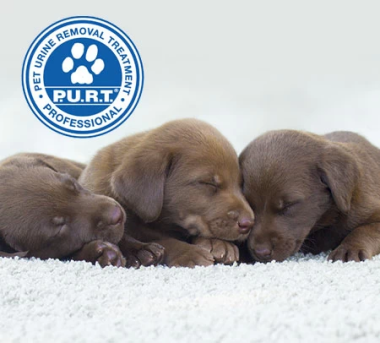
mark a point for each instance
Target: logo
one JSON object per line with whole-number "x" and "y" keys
{"x": 82, "y": 77}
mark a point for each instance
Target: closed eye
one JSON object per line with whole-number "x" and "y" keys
{"x": 78, "y": 186}
{"x": 60, "y": 227}
{"x": 61, "y": 230}
{"x": 287, "y": 207}
{"x": 212, "y": 186}
{"x": 58, "y": 221}
{"x": 208, "y": 184}
{"x": 73, "y": 185}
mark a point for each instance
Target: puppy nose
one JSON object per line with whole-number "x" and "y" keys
{"x": 245, "y": 224}
{"x": 263, "y": 253}
{"x": 116, "y": 215}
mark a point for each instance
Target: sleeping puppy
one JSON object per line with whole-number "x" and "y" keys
{"x": 176, "y": 182}
{"x": 313, "y": 193}
{"x": 45, "y": 213}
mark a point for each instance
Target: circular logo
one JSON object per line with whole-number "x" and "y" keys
{"x": 82, "y": 77}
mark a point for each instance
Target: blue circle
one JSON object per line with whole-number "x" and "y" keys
{"x": 133, "y": 52}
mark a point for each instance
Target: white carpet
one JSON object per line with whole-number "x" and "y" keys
{"x": 305, "y": 299}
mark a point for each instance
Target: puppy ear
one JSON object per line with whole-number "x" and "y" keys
{"x": 140, "y": 181}
{"x": 340, "y": 172}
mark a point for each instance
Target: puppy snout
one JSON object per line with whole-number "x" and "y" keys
{"x": 115, "y": 215}
{"x": 112, "y": 216}
{"x": 245, "y": 224}
{"x": 263, "y": 253}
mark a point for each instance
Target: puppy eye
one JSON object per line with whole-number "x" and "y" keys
{"x": 77, "y": 186}
{"x": 287, "y": 207}
{"x": 58, "y": 221}
{"x": 211, "y": 185}
{"x": 73, "y": 185}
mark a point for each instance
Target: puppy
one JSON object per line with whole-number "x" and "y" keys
{"x": 178, "y": 181}
{"x": 46, "y": 213}
{"x": 313, "y": 193}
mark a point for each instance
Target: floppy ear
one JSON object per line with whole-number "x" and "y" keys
{"x": 140, "y": 181}
{"x": 340, "y": 172}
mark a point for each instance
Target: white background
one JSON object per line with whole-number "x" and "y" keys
{"x": 245, "y": 66}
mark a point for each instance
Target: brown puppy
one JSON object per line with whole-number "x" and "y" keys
{"x": 45, "y": 213}
{"x": 177, "y": 181}
{"x": 313, "y": 193}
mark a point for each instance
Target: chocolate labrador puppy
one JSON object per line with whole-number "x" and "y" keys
{"x": 46, "y": 213}
{"x": 177, "y": 182}
{"x": 313, "y": 193}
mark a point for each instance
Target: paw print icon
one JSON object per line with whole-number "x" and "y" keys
{"x": 82, "y": 75}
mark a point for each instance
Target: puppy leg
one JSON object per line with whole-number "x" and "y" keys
{"x": 361, "y": 244}
{"x": 182, "y": 254}
{"x": 139, "y": 253}
{"x": 105, "y": 253}
{"x": 222, "y": 251}
{"x": 323, "y": 240}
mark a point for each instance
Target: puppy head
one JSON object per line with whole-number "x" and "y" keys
{"x": 50, "y": 215}
{"x": 187, "y": 174}
{"x": 291, "y": 179}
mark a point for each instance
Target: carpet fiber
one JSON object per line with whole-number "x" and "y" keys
{"x": 305, "y": 299}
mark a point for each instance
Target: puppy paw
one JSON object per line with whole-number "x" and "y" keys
{"x": 150, "y": 254}
{"x": 105, "y": 253}
{"x": 222, "y": 251}
{"x": 347, "y": 254}
{"x": 194, "y": 256}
